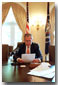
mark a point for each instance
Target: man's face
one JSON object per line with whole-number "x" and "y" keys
{"x": 28, "y": 40}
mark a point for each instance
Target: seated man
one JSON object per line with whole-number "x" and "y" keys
{"x": 28, "y": 47}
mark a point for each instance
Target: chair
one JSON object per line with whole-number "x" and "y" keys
{"x": 6, "y": 49}
{"x": 10, "y": 49}
{"x": 5, "y": 52}
{"x": 19, "y": 43}
{"x": 52, "y": 54}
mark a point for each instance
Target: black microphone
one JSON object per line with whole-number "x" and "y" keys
{"x": 14, "y": 52}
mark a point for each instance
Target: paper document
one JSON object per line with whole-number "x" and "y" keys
{"x": 28, "y": 57}
{"x": 43, "y": 66}
{"x": 53, "y": 80}
{"x": 43, "y": 71}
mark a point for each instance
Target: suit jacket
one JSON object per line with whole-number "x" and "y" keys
{"x": 34, "y": 49}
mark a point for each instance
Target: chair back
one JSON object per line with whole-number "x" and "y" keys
{"x": 52, "y": 54}
{"x": 5, "y": 52}
{"x": 19, "y": 43}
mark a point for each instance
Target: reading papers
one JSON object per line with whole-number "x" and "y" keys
{"x": 43, "y": 70}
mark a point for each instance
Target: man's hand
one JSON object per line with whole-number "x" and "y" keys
{"x": 20, "y": 60}
{"x": 36, "y": 61}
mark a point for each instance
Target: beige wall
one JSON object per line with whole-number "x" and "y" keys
{"x": 36, "y": 9}
{"x": 39, "y": 37}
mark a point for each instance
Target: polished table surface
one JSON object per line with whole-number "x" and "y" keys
{"x": 18, "y": 73}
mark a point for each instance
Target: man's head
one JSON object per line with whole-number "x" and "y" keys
{"x": 28, "y": 39}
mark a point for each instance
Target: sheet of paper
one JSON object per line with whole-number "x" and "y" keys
{"x": 43, "y": 66}
{"x": 28, "y": 57}
{"x": 43, "y": 71}
{"x": 49, "y": 75}
{"x": 53, "y": 80}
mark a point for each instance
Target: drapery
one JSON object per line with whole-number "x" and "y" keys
{"x": 5, "y": 10}
{"x": 19, "y": 13}
{"x": 52, "y": 20}
{"x": 20, "y": 16}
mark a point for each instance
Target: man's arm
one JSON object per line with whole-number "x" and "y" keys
{"x": 17, "y": 54}
{"x": 38, "y": 53}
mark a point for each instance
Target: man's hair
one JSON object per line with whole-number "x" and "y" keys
{"x": 28, "y": 35}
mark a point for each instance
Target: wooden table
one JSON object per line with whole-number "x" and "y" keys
{"x": 16, "y": 73}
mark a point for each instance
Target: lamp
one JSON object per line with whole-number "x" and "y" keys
{"x": 37, "y": 27}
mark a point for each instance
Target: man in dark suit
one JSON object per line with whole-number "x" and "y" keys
{"x": 29, "y": 47}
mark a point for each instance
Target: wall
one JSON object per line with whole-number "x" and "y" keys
{"x": 39, "y": 13}
{"x": 39, "y": 37}
{"x": 36, "y": 10}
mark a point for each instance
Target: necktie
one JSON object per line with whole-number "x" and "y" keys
{"x": 28, "y": 50}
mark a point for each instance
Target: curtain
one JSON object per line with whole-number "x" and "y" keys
{"x": 5, "y": 10}
{"x": 20, "y": 16}
{"x": 19, "y": 13}
{"x": 52, "y": 20}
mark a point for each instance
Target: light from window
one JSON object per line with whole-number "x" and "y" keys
{"x": 11, "y": 33}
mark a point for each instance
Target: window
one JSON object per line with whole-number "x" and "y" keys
{"x": 11, "y": 33}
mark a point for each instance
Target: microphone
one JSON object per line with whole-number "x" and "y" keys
{"x": 14, "y": 52}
